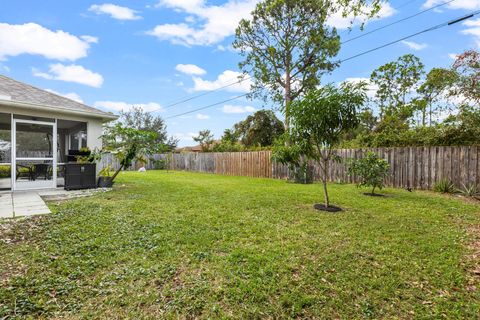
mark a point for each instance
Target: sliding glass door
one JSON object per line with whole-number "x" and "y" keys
{"x": 35, "y": 154}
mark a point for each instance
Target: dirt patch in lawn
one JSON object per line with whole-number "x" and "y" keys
{"x": 322, "y": 207}
{"x": 13, "y": 231}
{"x": 473, "y": 259}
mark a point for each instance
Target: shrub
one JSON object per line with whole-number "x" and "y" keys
{"x": 469, "y": 190}
{"x": 371, "y": 170}
{"x": 444, "y": 186}
{"x": 5, "y": 171}
{"x": 160, "y": 164}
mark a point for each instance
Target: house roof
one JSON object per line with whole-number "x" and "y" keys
{"x": 18, "y": 92}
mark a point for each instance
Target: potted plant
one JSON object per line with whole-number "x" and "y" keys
{"x": 104, "y": 178}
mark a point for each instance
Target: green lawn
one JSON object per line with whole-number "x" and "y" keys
{"x": 186, "y": 245}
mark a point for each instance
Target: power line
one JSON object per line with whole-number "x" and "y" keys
{"x": 206, "y": 107}
{"x": 445, "y": 24}
{"x": 397, "y": 21}
{"x": 438, "y": 26}
{"x": 247, "y": 77}
{"x": 205, "y": 93}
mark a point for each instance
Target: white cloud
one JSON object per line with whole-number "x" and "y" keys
{"x": 338, "y": 21}
{"x": 453, "y": 56}
{"x": 89, "y": 39}
{"x": 473, "y": 30}
{"x": 190, "y": 69}
{"x": 124, "y": 106}
{"x": 228, "y": 108}
{"x": 71, "y": 73}
{"x": 414, "y": 45}
{"x": 201, "y": 116}
{"x": 206, "y": 24}
{"x": 372, "y": 88}
{"x": 4, "y": 67}
{"x": 114, "y": 11}
{"x": 226, "y": 78}
{"x": 72, "y": 95}
{"x": 457, "y": 4}
{"x": 211, "y": 24}
{"x": 185, "y": 136}
{"x": 31, "y": 38}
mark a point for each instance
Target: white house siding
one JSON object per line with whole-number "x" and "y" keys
{"x": 94, "y": 132}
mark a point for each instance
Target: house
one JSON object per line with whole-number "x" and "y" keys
{"x": 197, "y": 148}
{"x": 37, "y": 130}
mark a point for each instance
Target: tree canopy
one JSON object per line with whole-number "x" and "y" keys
{"x": 321, "y": 118}
{"x": 259, "y": 129}
{"x": 414, "y": 108}
{"x": 129, "y": 144}
{"x": 138, "y": 119}
{"x": 205, "y": 139}
{"x": 288, "y": 45}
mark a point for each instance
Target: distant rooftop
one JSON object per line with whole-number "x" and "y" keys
{"x": 16, "y": 91}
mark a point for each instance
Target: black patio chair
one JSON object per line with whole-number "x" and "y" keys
{"x": 42, "y": 170}
{"x": 24, "y": 171}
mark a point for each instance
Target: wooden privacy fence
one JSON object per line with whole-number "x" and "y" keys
{"x": 415, "y": 167}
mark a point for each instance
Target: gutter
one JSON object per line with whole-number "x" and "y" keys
{"x": 33, "y": 106}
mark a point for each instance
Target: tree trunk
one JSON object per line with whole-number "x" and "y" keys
{"x": 325, "y": 193}
{"x": 288, "y": 96}
{"x": 430, "y": 115}
{"x": 373, "y": 190}
{"x": 324, "y": 180}
{"x": 117, "y": 172}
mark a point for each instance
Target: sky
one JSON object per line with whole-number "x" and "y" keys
{"x": 153, "y": 53}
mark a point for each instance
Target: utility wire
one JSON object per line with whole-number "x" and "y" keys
{"x": 206, "y": 107}
{"x": 247, "y": 77}
{"x": 397, "y": 21}
{"x": 439, "y": 26}
{"x": 205, "y": 93}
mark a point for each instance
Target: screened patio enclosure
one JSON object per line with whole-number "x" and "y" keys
{"x": 33, "y": 150}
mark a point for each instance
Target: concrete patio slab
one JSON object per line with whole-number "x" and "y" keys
{"x": 6, "y": 206}
{"x": 29, "y": 203}
{"x": 20, "y": 204}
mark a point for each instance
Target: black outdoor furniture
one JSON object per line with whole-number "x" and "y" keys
{"x": 24, "y": 171}
{"x": 42, "y": 171}
{"x": 80, "y": 176}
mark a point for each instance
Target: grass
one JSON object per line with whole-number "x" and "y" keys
{"x": 189, "y": 245}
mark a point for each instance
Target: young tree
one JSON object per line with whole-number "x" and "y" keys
{"x": 138, "y": 119}
{"x": 288, "y": 45}
{"x": 205, "y": 139}
{"x": 396, "y": 81}
{"x": 321, "y": 118}
{"x": 128, "y": 144}
{"x": 371, "y": 170}
{"x": 259, "y": 129}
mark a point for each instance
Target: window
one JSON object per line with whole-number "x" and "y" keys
{"x": 78, "y": 140}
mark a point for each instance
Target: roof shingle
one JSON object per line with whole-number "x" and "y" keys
{"x": 17, "y": 91}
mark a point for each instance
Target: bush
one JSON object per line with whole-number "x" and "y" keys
{"x": 444, "y": 186}
{"x": 469, "y": 190}
{"x": 5, "y": 171}
{"x": 371, "y": 170}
